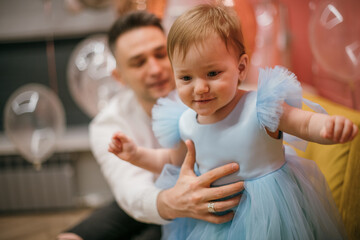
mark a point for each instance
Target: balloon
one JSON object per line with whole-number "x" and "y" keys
{"x": 34, "y": 119}
{"x": 175, "y": 8}
{"x": 246, "y": 13}
{"x": 271, "y": 45}
{"x": 89, "y": 75}
{"x": 334, "y": 34}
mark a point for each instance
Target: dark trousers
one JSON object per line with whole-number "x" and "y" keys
{"x": 112, "y": 223}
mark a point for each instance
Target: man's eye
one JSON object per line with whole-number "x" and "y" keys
{"x": 213, "y": 74}
{"x": 138, "y": 63}
{"x": 161, "y": 55}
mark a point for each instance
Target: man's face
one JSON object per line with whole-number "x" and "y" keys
{"x": 143, "y": 64}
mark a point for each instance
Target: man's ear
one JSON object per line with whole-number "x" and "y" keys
{"x": 243, "y": 67}
{"x": 117, "y": 76}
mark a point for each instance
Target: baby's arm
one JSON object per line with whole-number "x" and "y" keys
{"x": 317, "y": 127}
{"x": 147, "y": 158}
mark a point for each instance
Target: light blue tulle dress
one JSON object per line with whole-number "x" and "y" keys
{"x": 285, "y": 196}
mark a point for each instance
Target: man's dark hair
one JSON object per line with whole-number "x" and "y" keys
{"x": 130, "y": 21}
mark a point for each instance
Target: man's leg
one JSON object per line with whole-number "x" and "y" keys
{"x": 149, "y": 233}
{"x": 110, "y": 223}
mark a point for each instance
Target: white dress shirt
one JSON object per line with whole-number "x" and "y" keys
{"x": 133, "y": 187}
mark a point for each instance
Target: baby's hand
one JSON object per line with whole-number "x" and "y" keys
{"x": 338, "y": 129}
{"x": 123, "y": 147}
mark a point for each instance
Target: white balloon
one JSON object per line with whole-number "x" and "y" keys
{"x": 34, "y": 119}
{"x": 334, "y": 34}
{"x": 89, "y": 75}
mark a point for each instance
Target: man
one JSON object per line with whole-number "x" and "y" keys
{"x": 138, "y": 43}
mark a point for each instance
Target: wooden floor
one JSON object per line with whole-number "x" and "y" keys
{"x": 39, "y": 226}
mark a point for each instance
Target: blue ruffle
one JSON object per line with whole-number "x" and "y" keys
{"x": 166, "y": 114}
{"x": 274, "y": 87}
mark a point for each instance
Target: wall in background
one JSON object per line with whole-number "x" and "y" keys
{"x": 37, "y": 19}
{"x": 25, "y": 31}
{"x": 26, "y": 62}
{"x": 26, "y": 27}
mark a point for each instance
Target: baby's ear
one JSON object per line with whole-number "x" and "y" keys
{"x": 243, "y": 67}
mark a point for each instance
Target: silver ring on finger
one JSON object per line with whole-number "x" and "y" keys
{"x": 211, "y": 207}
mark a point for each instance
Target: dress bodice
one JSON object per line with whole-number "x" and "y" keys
{"x": 238, "y": 138}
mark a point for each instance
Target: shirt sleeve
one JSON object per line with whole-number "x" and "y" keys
{"x": 133, "y": 188}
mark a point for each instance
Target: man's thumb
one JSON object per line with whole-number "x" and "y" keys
{"x": 190, "y": 155}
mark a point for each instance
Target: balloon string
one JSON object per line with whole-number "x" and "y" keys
{"x": 353, "y": 98}
{"x": 50, "y": 51}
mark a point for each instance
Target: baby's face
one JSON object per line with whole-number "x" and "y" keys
{"x": 207, "y": 78}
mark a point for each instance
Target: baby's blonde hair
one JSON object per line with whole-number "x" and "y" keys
{"x": 197, "y": 24}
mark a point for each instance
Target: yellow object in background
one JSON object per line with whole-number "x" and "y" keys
{"x": 340, "y": 163}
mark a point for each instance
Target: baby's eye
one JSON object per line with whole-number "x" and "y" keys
{"x": 186, "y": 78}
{"x": 213, "y": 74}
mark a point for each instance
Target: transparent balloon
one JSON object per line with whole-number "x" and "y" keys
{"x": 334, "y": 34}
{"x": 89, "y": 75}
{"x": 34, "y": 120}
{"x": 271, "y": 40}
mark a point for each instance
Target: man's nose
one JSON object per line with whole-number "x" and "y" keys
{"x": 201, "y": 86}
{"x": 154, "y": 66}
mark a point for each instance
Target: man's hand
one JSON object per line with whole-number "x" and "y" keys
{"x": 191, "y": 194}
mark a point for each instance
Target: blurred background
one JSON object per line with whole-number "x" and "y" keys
{"x": 53, "y": 55}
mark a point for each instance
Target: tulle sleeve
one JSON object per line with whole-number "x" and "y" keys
{"x": 275, "y": 86}
{"x": 166, "y": 114}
